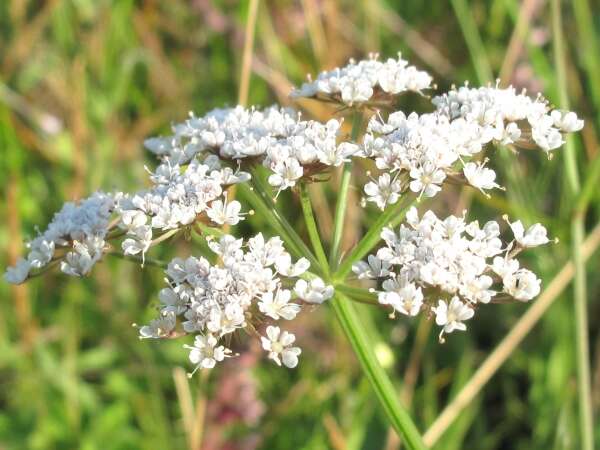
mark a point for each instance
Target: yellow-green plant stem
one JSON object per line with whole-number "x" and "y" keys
{"x": 266, "y": 208}
{"x": 586, "y": 427}
{"x": 384, "y": 389}
{"x": 342, "y": 201}
{"x": 311, "y": 227}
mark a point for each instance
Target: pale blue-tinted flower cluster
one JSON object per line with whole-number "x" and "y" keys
{"x": 75, "y": 237}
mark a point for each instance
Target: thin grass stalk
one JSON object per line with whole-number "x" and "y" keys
{"x": 340, "y": 207}
{"x": 473, "y": 40}
{"x": 383, "y": 387}
{"x": 584, "y": 388}
{"x": 311, "y": 227}
{"x": 247, "y": 55}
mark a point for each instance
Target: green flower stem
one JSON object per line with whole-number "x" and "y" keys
{"x": 264, "y": 205}
{"x": 358, "y": 294}
{"x": 342, "y": 201}
{"x": 394, "y": 213}
{"x": 311, "y": 226}
{"x": 586, "y": 420}
{"x": 386, "y": 393}
{"x": 138, "y": 259}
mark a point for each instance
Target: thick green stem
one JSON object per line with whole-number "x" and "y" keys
{"x": 383, "y": 387}
{"x": 311, "y": 226}
{"x": 577, "y": 236}
{"x": 342, "y": 200}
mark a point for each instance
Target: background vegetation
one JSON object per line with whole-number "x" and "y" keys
{"x": 83, "y": 82}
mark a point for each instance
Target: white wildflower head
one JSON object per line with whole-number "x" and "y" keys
{"x": 364, "y": 81}
{"x": 466, "y": 263}
{"x": 508, "y": 117}
{"x": 246, "y": 289}
{"x": 75, "y": 237}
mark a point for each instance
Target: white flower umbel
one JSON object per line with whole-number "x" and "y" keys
{"x": 364, "y": 81}
{"x": 509, "y": 117}
{"x": 246, "y": 289}
{"x": 75, "y": 237}
{"x": 276, "y": 137}
{"x": 464, "y": 263}
{"x": 179, "y": 196}
{"x": 428, "y": 149}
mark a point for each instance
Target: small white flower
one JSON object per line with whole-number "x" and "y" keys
{"x": 133, "y": 218}
{"x": 221, "y": 212}
{"x": 285, "y": 174}
{"x": 523, "y": 285}
{"x": 285, "y": 266}
{"x": 205, "y": 353}
{"x": 139, "y": 242}
{"x": 406, "y": 300}
{"x": 172, "y": 301}
{"x": 426, "y": 180}
{"x": 279, "y": 345}
{"x": 477, "y": 289}
{"x": 534, "y": 236}
{"x": 227, "y": 320}
{"x": 356, "y": 90}
{"x": 373, "y": 268}
{"x": 385, "y": 191}
{"x": 313, "y": 291}
{"x": 159, "y": 328}
{"x": 566, "y": 121}
{"x": 504, "y": 266}
{"x": 41, "y": 253}
{"x": 278, "y": 305}
{"x": 479, "y": 176}
{"x": 451, "y": 316}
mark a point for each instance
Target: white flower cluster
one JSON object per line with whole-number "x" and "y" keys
{"x": 419, "y": 152}
{"x": 459, "y": 264}
{"x": 509, "y": 117}
{"x": 178, "y": 197}
{"x": 366, "y": 80}
{"x": 422, "y": 150}
{"x": 252, "y": 284}
{"x": 75, "y": 237}
{"x": 291, "y": 148}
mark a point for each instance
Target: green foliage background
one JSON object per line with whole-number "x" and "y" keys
{"x": 83, "y": 82}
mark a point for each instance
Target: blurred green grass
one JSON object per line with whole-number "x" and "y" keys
{"x": 82, "y": 82}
